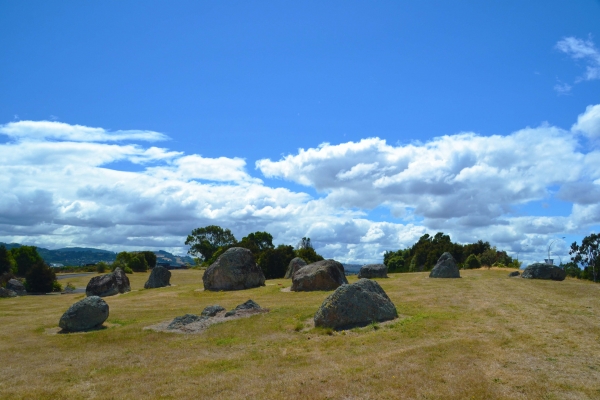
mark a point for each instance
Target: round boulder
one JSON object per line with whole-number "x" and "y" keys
{"x": 445, "y": 267}
{"x": 370, "y": 271}
{"x": 322, "y": 275}
{"x": 294, "y": 266}
{"x": 159, "y": 277}
{"x": 234, "y": 270}
{"x": 513, "y": 274}
{"x": 108, "y": 285}
{"x": 544, "y": 271}
{"x": 7, "y": 292}
{"x": 88, "y": 313}
{"x": 358, "y": 304}
{"x": 16, "y": 286}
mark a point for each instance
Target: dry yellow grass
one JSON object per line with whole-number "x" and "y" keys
{"x": 484, "y": 336}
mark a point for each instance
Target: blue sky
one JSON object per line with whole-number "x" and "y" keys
{"x": 246, "y": 84}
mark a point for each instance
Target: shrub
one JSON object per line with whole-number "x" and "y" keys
{"x": 40, "y": 278}
{"x": 127, "y": 270}
{"x": 396, "y": 264}
{"x": 138, "y": 263}
{"x": 309, "y": 255}
{"x": 472, "y": 262}
{"x": 6, "y": 260}
{"x": 101, "y": 267}
{"x": 56, "y": 287}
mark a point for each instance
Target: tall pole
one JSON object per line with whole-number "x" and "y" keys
{"x": 549, "y": 246}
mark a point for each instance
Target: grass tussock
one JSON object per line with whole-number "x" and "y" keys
{"x": 484, "y": 336}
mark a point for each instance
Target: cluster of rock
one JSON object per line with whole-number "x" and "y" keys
{"x": 86, "y": 314}
{"x": 544, "y": 271}
{"x": 13, "y": 288}
{"x": 109, "y": 284}
{"x": 321, "y": 275}
{"x": 159, "y": 277}
{"x": 215, "y": 313}
{"x": 235, "y": 269}
{"x": 371, "y": 271}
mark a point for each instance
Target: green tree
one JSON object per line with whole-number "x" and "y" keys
{"x": 397, "y": 264}
{"x": 472, "y": 262}
{"x": 572, "y": 269}
{"x": 101, "y": 267}
{"x": 150, "y": 258}
{"x": 274, "y": 262}
{"x": 488, "y": 258}
{"x": 40, "y": 278}
{"x": 121, "y": 261}
{"x": 587, "y": 255}
{"x": 204, "y": 242}
{"x": 309, "y": 255}
{"x": 25, "y": 257}
{"x": 257, "y": 242}
{"x": 6, "y": 260}
{"x": 138, "y": 263}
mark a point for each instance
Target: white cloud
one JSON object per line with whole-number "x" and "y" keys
{"x": 588, "y": 123}
{"x": 583, "y": 50}
{"x": 43, "y": 130}
{"x": 59, "y": 190}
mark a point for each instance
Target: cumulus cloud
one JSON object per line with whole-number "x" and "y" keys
{"x": 59, "y": 190}
{"x": 588, "y": 123}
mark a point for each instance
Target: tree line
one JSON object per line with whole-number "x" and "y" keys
{"x": 25, "y": 262}
{"x": 208, "y": 243}
{"x": 423, "y": 255}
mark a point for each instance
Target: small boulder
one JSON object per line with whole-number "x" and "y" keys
{"x": 89, "y": 313}
{"x": 184, "y": 320}
{"x": 358, "y": 304}
{"x": 108, "y": 285}
{"x": 294, "y": 266}
{"x": 370, "y": 271}
{"x": 234, "y": 270}
{"x": 159, "y": 277}
{"x": 513, "y": 274}
{"x": 445, "y": 267}
{"x": 211, "y": 311}
{"x": 249, "y": 305}
{"x": 321, "y": 275}
{"x": 16, "y": 286}
{"x": 544, "y": 271}
{"x": 7, "y": 292}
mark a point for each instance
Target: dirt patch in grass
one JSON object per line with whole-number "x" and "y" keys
{"x": 202, "y": 325}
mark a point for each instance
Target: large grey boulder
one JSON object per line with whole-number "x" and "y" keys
{"x": 370, "y": 271}
{"x": 7, "y": 292}
{"x": 234, "y": 270}
{"x": 358, "y": 304}
{"x": 108, "y": 285}
{"x": 294, "y": 266}
{"x": 544, "y": 271}
{"x": 89, "y": 313}
{"x": 159, "y": 277}
{"x": 321, "y": 275}
{"x": 16, "y": 286}
{"x": 445, "y": 267}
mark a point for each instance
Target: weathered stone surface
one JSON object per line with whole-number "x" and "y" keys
{"x": 159, "y": 277}
{"x": 294, "y": 266}
{"x": 544, "y": 271}
{"x": 7, "y": 292}
{"x": 249, "y": 305}
{"x": 109, "y": 284}
{"x": 358, "y": 304}
{"x": 234, "y": 270}
{"x": 514, "y": 273}
{"x": 445, "y": 267}
{"x": 186, "y": 319}
{"x": 16, "y": 286}
{"x": 86, "y": 314}
{"x": 211, "y": 311}
{"x": 370, "y": 271}
{"x": 322, "y": 275}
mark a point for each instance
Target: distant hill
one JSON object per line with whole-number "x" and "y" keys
{"x": 88, "y": 255}
{"x": 352, "y": 269}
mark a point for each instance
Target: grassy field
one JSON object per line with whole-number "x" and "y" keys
{"x": 484, "y": 336}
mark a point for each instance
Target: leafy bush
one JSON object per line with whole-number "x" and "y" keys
{"x": 25, "y": 257}
{"x": 40, "y": 278}
{"x": 138, "y": 263}
{"x": 127, "y": 270}
{"x": 274, "y": 262}
{"x": 101, "y": 267}
{"x": 56, "y": 286}
{"x": 309, "y": 255}
{"x": 7, "y": 262}
{"x": 397, "y": 264}
{"x": 472, "y": 262}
